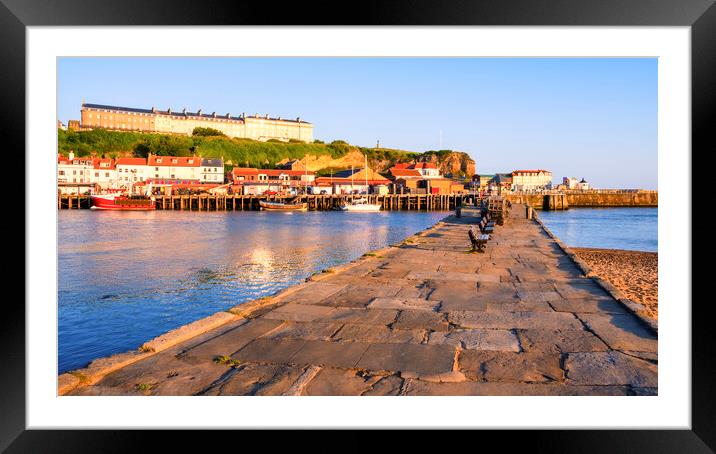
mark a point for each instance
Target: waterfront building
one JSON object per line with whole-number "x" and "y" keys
{"x": 254, "y": 127}
{"x": 530, "y": 180}
{"x": 212, "y": 170}
{"x": 353, "y": 181}
{"x": 174, "y": 167}
{"x": 104, "y": 172}
{"x": 74, "y": 170}
{"x": 250, "y": 180}
{"x": 131, "y": 171}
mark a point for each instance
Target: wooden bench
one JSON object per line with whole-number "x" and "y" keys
{"x": 485, "y": 227}
{"x": 478, "y": 240}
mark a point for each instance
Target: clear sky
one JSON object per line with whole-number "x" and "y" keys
{"x": 591, "y": 118}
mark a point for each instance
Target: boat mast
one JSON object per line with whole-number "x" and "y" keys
{"x": 366, "y": 173}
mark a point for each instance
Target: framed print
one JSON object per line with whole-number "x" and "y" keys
{"x": 359, "y": 221}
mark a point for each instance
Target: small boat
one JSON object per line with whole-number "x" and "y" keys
{"x": 281, "y": 206}
{"x": 361, "y": 204}
{"x": 121, "y": 202}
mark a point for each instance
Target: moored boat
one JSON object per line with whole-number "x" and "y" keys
{"x": 121, "y": 202}
{"x": 360, "y": 205}
{"x": 281, "y": 206}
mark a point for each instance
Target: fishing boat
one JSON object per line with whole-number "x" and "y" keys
{"x": 362, "y": 204}
{"x": 121, "y": 202}
{"x": 281, "y": 206}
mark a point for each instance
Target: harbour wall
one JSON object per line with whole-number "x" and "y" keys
{"x": 595, "y": 198}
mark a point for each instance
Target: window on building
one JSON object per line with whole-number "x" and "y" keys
{"x": 74, "y": 172}
{"x": 106, "y": 174}
{"x": 62, "y": 172}
{"x": 96, "y": 174}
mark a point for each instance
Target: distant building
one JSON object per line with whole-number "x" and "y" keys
{"x": 530, "y": 180}
{"x": 61, "y": 125}
{"x": 74, "y": 125}
{"x": 500, "y": 182}
{"x": 183, "y": 122}
{"x": 573, "y": 183}
{"x": 425, "y": 169}
{"x": 211, "y": 170}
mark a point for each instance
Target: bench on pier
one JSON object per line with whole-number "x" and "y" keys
{"x": 485, "y": 226}
{"x": 478, "y": 240}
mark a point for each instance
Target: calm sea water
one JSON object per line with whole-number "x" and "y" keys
{"x": 606, "y": 228}
{"x": 127, "y": 277}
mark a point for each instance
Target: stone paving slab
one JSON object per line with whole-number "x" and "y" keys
{"x": 426, "y": 317}
{"x": 478, "y": 339}
{"x": 517, "y": 320}
{"x": 609, "y": 368}
{"x": 421, "y": 359}
{"x": 621, "y": 331}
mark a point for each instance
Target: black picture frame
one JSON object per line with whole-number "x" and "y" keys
{"x": 700, "y": 15}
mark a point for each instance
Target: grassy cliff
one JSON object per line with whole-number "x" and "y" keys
{"x": 236, "y": 152}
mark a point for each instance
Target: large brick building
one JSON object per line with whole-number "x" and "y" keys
{"x": 183, "y": 122}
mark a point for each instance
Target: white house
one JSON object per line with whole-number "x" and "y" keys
{"x": 174, "y": 168}
{"x": 130, "y": 171}
{"x": 529, "y": 180}
{"x": 212, "y": 170}
{"x": 74, "y": 170}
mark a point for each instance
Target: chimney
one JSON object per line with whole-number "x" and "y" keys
{"x": 243, "y": 115}
{"x": 169, "y": 111}
{"x": 154, "y": 109}
{"x": 198, "y": 112}
{"x": 228, "y": 115}
{"x": 71, "y": 155}
{"x": 267, "y": 116}
{"x": 213, "y": 114}
{"x": 183, "y": 111}
{"x": 298, "y": 119}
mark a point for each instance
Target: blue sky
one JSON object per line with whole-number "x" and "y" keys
{"x": 591, "y": 118}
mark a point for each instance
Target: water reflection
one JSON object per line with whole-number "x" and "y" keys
{"x": 127, "y": 277}
{"x": 606, "y": 228}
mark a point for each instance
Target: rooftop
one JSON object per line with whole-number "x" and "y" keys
{"x": 181, "y": 113}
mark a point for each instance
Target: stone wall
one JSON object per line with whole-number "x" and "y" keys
{"x": 594, "y": 198}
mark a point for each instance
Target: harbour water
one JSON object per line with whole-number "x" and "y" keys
{"x": 633, "y": 229}
{"x": 127, "y": 277}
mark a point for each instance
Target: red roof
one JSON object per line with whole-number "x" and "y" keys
{"x": 174, "y": 161}
{"x": 405, "y": 172}
{"x": 404, "y": 165}
{"x": 109, "y": 163}
{"x": 359, "y": 182}
{"x": 132, "y": 161}
{"x": 425, "y": 165}
{"x": 244, "y": 171}
{"x": 253, "y": 171}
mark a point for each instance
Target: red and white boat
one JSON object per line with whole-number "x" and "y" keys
{"x": 121, "y": 202}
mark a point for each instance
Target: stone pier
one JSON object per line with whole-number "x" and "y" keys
{"x": 425, "y": 317}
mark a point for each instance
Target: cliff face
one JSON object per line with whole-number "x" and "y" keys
{"x": 451, "y": 163}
